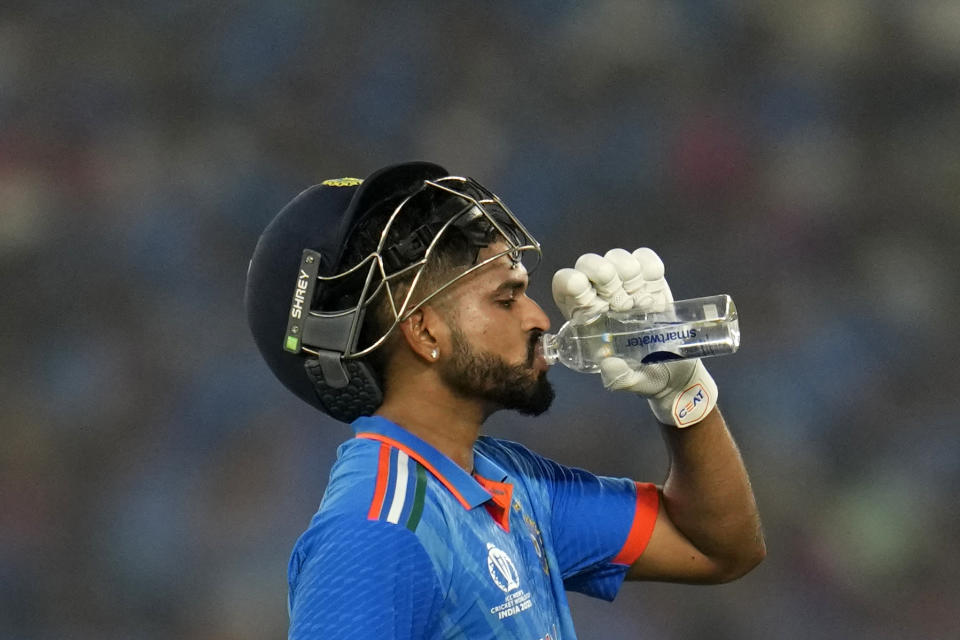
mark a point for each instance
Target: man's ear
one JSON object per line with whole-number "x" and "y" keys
{"x": 423, "y": 331}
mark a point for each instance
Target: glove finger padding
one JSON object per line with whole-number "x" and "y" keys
{"x": 573, "y": 293}
{"x": 642, "y": 273}
{"x": 618, "y": 281}
{"x": 647, "y": 381}
{"x": 606, "y": 280}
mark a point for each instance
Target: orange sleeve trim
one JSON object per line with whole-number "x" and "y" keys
{"x": 644, "y": 517}
{"x": 383, "y": 472}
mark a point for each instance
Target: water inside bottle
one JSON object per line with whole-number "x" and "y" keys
{"x": 692, "y": 329}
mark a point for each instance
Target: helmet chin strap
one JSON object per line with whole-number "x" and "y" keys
{"x": 347, "y": 388}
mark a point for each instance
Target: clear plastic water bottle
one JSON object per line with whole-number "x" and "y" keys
{"x": 694, "y": 328}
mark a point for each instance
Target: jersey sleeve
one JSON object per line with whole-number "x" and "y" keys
{"x": 601, "y": 526}
{"x": 350, "y": 580}
{"x": 598, "y": 525}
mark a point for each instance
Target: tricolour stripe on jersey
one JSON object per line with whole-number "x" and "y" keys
{"x": 400, "y": 489}
{"x": 383, "y": 475}
{"x": 399, "y": 486}
{"x": 416, "y": 509}
{"x": 416, "y": 456}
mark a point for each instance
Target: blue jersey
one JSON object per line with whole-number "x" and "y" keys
{"x": 408, "y": 545}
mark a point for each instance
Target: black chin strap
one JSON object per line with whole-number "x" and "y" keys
{"x": 347, "y": 389}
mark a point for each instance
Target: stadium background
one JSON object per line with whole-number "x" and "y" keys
{"x": 803, "y": 157}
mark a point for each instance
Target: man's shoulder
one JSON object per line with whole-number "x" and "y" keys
{"x": 512, "y": 456}
{"x": 534, "y": 471}
{"x": 344, "y": 558}
{"x": 353, "y": 505}
{"x": 376, "y": 482}
{"x": 378, "y": 500}
{"x": 352, "y": 479}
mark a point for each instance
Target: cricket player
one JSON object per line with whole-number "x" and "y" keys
{"x": 398, "y": 304}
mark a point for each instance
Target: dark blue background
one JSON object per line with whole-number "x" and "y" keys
{"x": 804, "y": 158}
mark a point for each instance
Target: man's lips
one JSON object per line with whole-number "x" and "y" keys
{"x": 535, "y": 358}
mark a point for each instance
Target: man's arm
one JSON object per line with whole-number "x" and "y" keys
{"x": 708, "y": 528}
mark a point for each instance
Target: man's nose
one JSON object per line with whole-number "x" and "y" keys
{"x": 536, "y": 318}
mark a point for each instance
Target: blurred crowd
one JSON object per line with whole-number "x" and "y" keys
{"x": 802, "y": 157}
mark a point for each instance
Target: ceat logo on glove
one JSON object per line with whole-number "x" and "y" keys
{"x": 691, "y": 405}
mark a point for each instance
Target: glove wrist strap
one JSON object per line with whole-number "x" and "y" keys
{"x": 689, "y": 403}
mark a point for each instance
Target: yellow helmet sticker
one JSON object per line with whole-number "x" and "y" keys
{"x": 342, "y": 182}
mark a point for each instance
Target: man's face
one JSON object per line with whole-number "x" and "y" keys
{"x": 494, "y": 339}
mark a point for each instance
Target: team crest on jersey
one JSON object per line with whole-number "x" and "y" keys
{"x": 535, "y": 537}
{"x": 507, "y": 578}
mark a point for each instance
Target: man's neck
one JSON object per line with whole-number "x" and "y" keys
{"x": 448, "y": 423}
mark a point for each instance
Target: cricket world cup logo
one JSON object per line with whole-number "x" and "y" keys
{"x": 502, "y": 569}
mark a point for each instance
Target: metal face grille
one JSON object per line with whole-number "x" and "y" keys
{"x": 476, "y": 207}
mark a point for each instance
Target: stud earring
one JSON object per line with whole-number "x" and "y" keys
{"x": 434, "y": 354}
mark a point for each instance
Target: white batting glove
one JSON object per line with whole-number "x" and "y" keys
{"x": 680, "y": 393}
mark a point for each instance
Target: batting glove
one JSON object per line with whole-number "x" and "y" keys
{"x": 680, "y": 393}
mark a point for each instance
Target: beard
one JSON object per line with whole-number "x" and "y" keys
{"x": 488, "y": 377}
